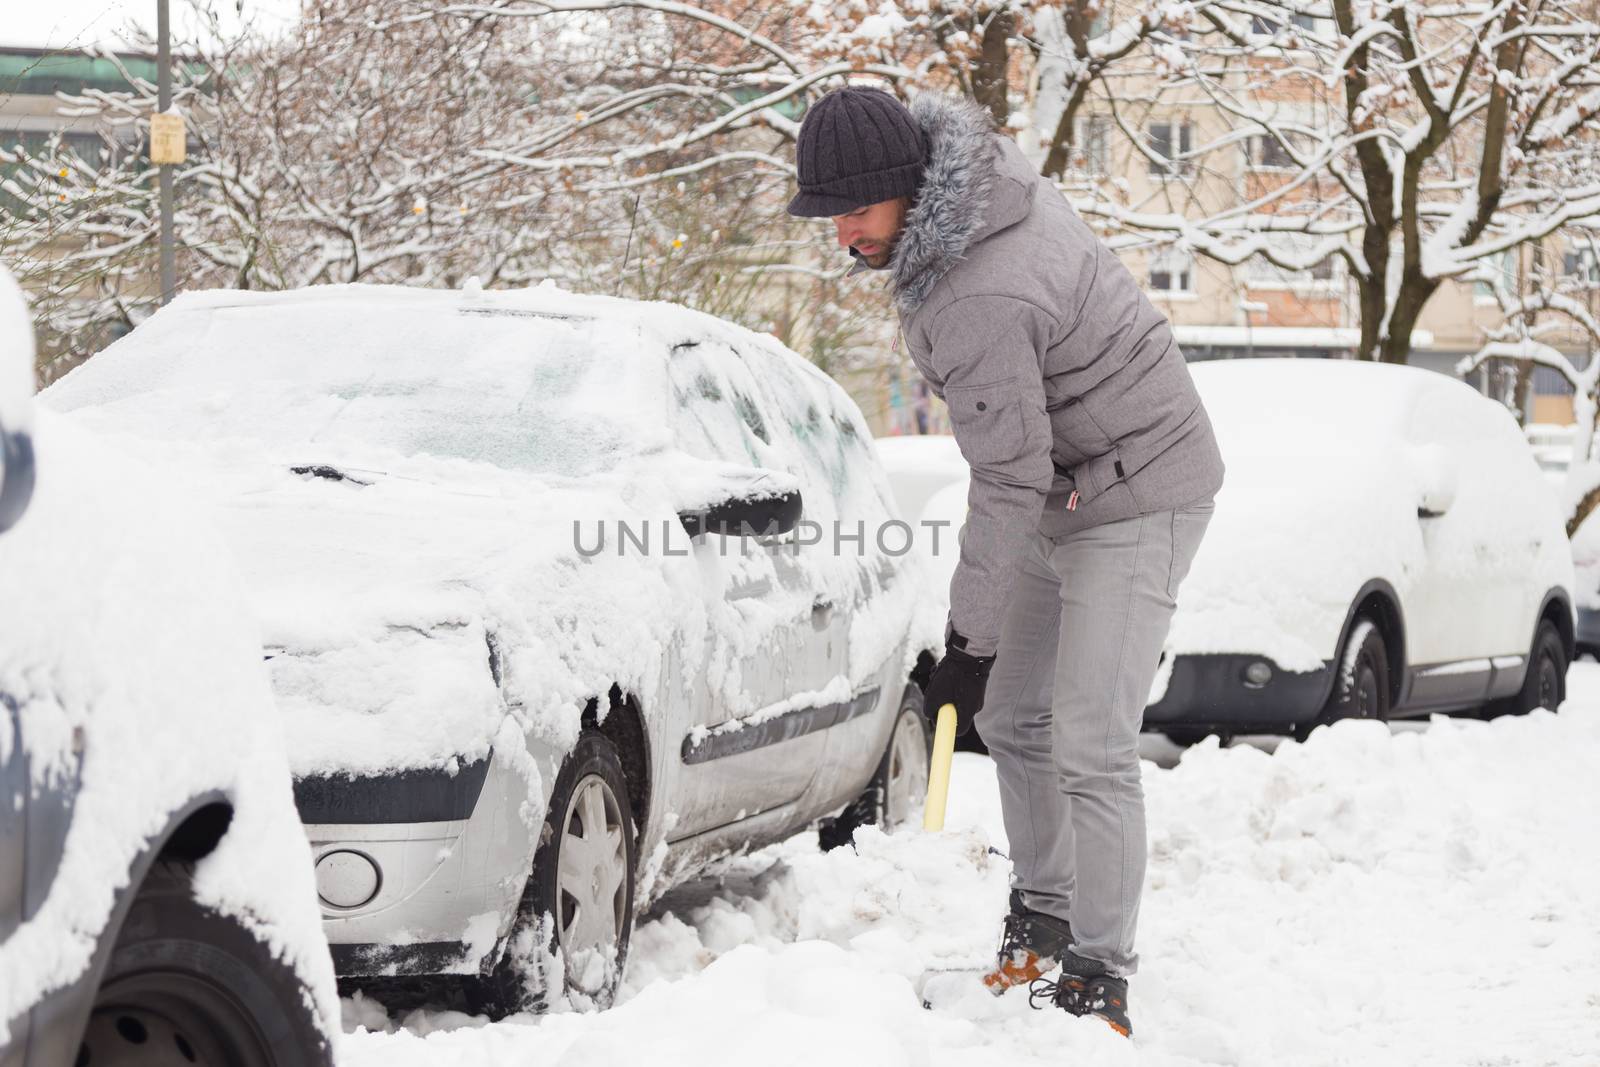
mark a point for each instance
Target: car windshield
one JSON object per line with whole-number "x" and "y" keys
{"x": 520, "y": 390}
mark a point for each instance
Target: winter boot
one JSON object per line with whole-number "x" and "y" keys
{"x": 1029, "y": 947}
{"x": 1084, "y": 988}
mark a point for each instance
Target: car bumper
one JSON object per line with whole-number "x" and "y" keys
{"x": 423, "y": 871}
{"x": 1211, "y": 690}
{"x": 1589, "y": 629}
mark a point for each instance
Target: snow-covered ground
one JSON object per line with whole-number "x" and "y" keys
{"x": 1374, "y": 896}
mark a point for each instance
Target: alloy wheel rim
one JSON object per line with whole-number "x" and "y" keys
{"x": 591, "y": 877}
{"x": 1549, "y": 683}
{"x": 1367, "y": 692}
{"x": 908, "y": 771}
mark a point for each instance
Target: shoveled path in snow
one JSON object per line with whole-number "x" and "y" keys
{"x": 1370, "y": 897}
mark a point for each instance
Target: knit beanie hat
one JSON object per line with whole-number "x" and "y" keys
{"x": 857, "y": 146}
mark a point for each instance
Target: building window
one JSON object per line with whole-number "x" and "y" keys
{"x": 1270, "y": 152}
{"x": 1582, "y": 265}
{"x": 1172, "y": 271}
{"x": 1171, "y": 143}
{"x": 1272, "y": 25}
{"x": 1094, "y": 144}
{"x": 1504, "y": 267}
{"x": 1260, "y": 272}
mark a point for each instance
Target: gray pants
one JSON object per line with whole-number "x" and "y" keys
{"x": 1078, "y": 651}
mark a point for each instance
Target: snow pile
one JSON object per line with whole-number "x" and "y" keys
{"x": 125, "y": 641}
{"x": 1419, "y": 898}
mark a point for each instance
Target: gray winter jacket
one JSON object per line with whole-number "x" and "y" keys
{"x": 1060, "y": 376}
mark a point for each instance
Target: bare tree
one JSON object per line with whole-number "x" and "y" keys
{"x": 640, "y": 148}
{"x": 1412, "y": 141}
{"x": 1553, "y": 305}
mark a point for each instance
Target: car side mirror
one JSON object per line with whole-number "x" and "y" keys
{"x": 16, "y": 476}
{"x": 743, "y": 502}
{"x": 1436, "y": 480}
{"x": 750, "y": 516}
{"x": 16, "y": 402}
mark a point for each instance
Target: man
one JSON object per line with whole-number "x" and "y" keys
{"x": 1093, "y": 472}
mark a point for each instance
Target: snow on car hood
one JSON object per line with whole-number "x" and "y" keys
{"x": 1313, "y": 506}
{"x": 1295, "y": 536}
{"x": 406, "y": 617}
{"x": 126, "y": 645}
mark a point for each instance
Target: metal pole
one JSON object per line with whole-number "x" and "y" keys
{"x": 169, "y": 282}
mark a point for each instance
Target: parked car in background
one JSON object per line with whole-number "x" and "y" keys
{"x": 1384, "y": 546}
{"x": 156, "y": 897}
{"x": 919, "y": 467}
{"x": 929, "y": 479}
{"x": 1551, "y": 444}
{"x": 522, "y": 699}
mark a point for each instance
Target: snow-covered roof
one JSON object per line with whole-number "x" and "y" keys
{"x": 536, "y": 380}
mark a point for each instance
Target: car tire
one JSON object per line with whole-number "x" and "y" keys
{"x": 1187, "y": 736}
{"x": 186, "y": 984}
{"x": 571, "y": 935}
{"x": 1361, "y": 687}
{"x": 1544, "y": 685}
{"x": 894, "y": 796}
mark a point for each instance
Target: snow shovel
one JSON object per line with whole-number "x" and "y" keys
{"x": 944, "y": 747}
{"x": 943, "y": 983}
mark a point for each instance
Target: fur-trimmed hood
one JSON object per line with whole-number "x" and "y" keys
{"x": 956, "y": 204}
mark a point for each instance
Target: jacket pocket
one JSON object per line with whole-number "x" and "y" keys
{"x": 987, "y": 420}
{"x": 1075, "y": 430}
{"x": 1096, "y": 475}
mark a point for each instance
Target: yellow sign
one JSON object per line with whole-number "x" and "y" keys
{"x": 166, "y": 138}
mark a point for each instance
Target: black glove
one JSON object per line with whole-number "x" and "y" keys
{"x": 959, "y": 679}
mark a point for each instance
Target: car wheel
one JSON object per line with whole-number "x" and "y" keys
{"x": 573, "y": 926}
{"x": 1361, "y": 690}
{"x": 895, "y": 795}
{"x": 1185, "y": 736}
{"x": 187, "y": 985}
{"x": 1545, "y": 684}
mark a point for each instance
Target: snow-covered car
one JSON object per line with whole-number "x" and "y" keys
{"x": 1384, "y": 546}
{"x": 522, "y": 700}
{"x": 919, "y": 467}
{"x": 156, "y": 895}
{"x": 1552, "y": 449}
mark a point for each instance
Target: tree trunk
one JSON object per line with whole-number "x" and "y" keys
{"x": 1408, "y": 304}
{"x": 1055, "y": 161}
{"x": 1586, "y": 505}
{"x": 1370, "y": 301}
{"x": 1523, "y": 368}
{"x": 989, "y": 79}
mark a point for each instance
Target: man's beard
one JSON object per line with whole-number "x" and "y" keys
{"x": 879, "y": 258}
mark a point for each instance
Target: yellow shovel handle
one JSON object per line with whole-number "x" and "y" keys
{"x": 944, "y": 747}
